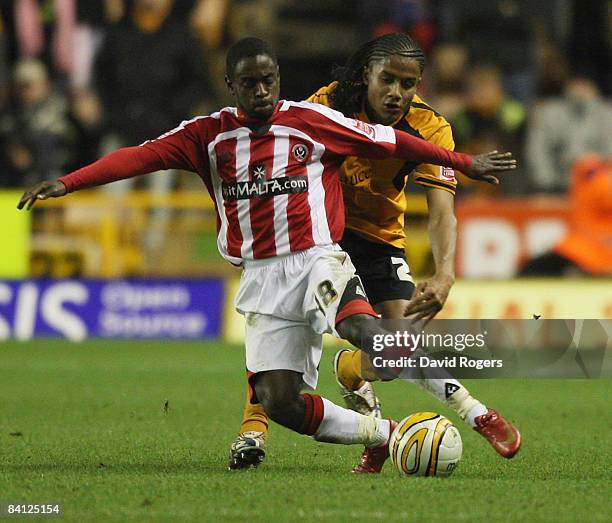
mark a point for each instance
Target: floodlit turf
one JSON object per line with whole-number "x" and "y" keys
{"x": 85, "y": 425}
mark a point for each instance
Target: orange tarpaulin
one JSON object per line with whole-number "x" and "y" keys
{"x": 588, "y": 242}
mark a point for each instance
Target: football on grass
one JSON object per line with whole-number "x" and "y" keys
{"x": 425, "y": 444}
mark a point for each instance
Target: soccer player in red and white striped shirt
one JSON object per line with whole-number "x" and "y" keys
{"x": 271, "y": 168}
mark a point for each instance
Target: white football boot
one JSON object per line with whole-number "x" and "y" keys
{"x": 248, "y": 449}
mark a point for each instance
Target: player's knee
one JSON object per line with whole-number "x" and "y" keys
{"x": 358, "y": 328}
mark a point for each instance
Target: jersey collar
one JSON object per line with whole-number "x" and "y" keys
{"x": 245, "y": 119}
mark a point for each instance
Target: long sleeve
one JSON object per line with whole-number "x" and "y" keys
{"x": 417, "y": 150}
{"x": 348, "y": 137}
{"x": 118, "y": 165}
{"x": 179, "y": 148}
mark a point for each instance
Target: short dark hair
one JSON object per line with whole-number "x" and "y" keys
{"x": 246, "y": 48}
{"x": 348, "y": 96}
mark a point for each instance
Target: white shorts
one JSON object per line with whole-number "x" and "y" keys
{"x": 290, "y": 301}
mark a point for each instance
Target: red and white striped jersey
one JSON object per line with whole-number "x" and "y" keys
{"x": 275, "y": 184}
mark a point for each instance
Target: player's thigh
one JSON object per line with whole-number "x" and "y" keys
{"x": 392, "y": 309}
{"x": 388, "y": 279}
{"x": 274, "y": 343}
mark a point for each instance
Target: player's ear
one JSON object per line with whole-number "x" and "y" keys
{"x": 228, "y": 82}
{"x": 365, "y": 76}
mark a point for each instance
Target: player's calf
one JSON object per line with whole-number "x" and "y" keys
{"x": 279, "y": 393}
{"x": 315, "y": 416}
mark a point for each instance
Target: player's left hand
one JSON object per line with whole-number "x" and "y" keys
{"x": 484, "y": 164}
{"x": 41, "y": 191}
{"x": 429, "y": 297}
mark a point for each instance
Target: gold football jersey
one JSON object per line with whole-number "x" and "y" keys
{"x": 374, "y": 189}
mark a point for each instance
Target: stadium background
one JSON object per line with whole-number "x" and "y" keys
{"x": 81, "y": 78}
{"x": 141, "y": 262}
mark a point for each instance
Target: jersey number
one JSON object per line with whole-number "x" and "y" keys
{"x": 327, "y": 292}
{"x": 401, "y": 269}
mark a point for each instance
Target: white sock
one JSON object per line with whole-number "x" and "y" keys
{"x": 477, "y": 410}
{"x": 465, "y": 405}
{"x": 345, "y": 426}
{"x": 456, "y": 396}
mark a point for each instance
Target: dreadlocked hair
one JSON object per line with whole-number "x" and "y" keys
{"x": 350, "y": 92}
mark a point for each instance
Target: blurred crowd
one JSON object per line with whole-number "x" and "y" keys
{"x": 80, "y": 78}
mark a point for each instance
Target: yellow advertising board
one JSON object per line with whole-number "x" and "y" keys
{"x": 523, "y": 298}
{"x": 15, "y": 246}
{"x": 511, "y": 299}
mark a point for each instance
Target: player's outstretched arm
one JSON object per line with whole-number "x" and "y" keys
{"x": 478, "y": 167}
{"x": 118, "y": 165}
{"x": 41, "y": 191}
{"x": 494, "y": 161}
{"x": 348, "y": 137}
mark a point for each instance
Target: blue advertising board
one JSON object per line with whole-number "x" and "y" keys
{"x": 80, "y": 309}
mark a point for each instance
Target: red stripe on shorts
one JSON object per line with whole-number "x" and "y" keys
{"x": 356, "y": 306}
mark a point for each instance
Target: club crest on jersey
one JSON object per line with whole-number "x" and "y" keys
{"x": 299, "y": 152}
{"x": 447, "y": 173}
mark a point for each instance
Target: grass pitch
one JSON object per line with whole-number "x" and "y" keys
{"x": 86, "y": 426}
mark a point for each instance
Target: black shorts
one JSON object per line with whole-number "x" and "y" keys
{"x": 382, "y": 268}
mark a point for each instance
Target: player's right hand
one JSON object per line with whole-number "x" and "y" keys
{"x": 428, "y": 299}
{"x": 41, "y": 191}
{"x": 482, "y": 164}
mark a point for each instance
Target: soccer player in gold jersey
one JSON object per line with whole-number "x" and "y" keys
{"x": 378, "y": 85}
